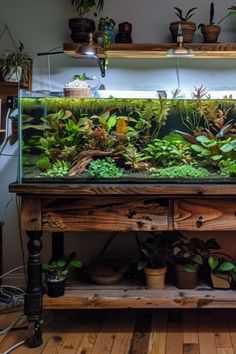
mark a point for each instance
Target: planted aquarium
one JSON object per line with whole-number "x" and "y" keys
{"x": 149, "y": 137}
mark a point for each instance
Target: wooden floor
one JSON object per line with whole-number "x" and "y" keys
{"x": 129, "y": 332}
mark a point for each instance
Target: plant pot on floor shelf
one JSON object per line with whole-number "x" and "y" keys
{"x": 55, "y": 288}
{"x": 155, "y": 278}
{"x": 220, "y": 281}
{"x": 210, "y": 33}
{"x": 185, "y": 279}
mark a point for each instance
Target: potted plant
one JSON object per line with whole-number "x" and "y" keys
{"x": 56, "y": 273}
{"x": 80, "y": 26}
{"x": 15, "y": 66}
{"x": 188, "y": 27}
{"x": 211, "y": 31}
{"x": 106, "y": 28}
{"x": 223, "y": 272}
{"x": 187, "y": 258}
{"x": 155, "y": 253}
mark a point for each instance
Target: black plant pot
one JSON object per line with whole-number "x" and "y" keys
{"x": 80, "y": 29}
{"x": 56, "y": 288}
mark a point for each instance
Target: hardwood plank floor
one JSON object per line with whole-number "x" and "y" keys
{"x": 137, "y": 331}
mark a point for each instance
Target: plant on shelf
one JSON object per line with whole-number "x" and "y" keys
{"x": 211, "y": 31}
{"x": 15, "y": 66}
{"x": 155, "y": 254}
{"x": 81, "y": 26}
{"x": 56, "y": 273}
{"x": 223, "y": 271}
{"x": 106, "y": 27}
{"x": 187, "y": 257}
{"x": 188, "y": 27}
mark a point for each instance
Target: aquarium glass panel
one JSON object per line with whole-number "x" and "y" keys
{"x": 129, "y": 136}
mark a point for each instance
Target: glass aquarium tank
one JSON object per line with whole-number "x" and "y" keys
{"x": 128, "y": 136}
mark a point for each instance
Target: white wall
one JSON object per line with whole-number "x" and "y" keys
{"x": 43, "y": 25}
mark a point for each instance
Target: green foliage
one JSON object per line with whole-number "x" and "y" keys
{"x": 82, "y": 77}
{"x": 82, "y": 7}
{"x": 59, "y": 169}
{"x": 59, "y": 270}
{"x": 182, "y": 171}
{"x": 155, "y": 251}
{"x": 188, "y": 14}
{"x": 104, "y": 168}
{"x": 135, "y": 159}
{"x": 166, "y": 153}
{"x": 43, "y": 164}
{"x": 106, "y": 23}
{"x": 221, "y": 265}
{"x": 228, "y": 168}
{"x": 187, "y": 253}
{"x": 212, "y": 151}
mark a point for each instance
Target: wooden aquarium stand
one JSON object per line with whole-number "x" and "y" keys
{"x": 60, "y": 208}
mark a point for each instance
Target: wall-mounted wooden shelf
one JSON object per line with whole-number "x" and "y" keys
{"x": 159, "y": 50}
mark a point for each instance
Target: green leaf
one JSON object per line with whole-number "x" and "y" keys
{"x": 190, "y": 268}
{"x": 213, "y": 262}
{"x": 61, "y": 263}
{"x": 216, "y": 157}
{"x": 75, "y": 263}
{"x": 203, "y": 139}
{"x": 226, "y": 148}
{"x": 111, "y": 123}
{"x": 226, "y": 266}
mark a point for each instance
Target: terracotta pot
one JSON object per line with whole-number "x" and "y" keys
{"x": 155, "y": 277}
{"x": 210, "y": 33}
{"x": 220, "y": 281}
{"x": 185, "y": 279}
{"x": 188, "y": 29}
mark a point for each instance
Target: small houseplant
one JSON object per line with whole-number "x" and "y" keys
{"x": 56, "y": 273}
{"x": 155, "y": 253}
{"x": 106, "y": 28}
{"x": 188, "y": 27}
{"x": 188, "y": 258}
{"x": 15, "y": 66}
{"x": 211, "y": 31}
{"x": 80, "y": 26}
{"x": 223, "y": 272}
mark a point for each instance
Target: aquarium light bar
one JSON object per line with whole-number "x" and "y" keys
{"x": 180, "y": 50}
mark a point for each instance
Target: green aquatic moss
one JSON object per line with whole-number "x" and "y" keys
{"x": 181, "y": 171}
{"x": 104, "y": 168}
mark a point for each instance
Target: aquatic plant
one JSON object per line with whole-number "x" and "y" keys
{"x": 104, "y": 168}
{"x": 166, "y": 153}
{"x": 181, "y": 171}
{"x": 228, "y": 168}
{"x": 59, "y": 169}
{"x": 134, "y": 159}
{"x": 43, "y": 164}
{"x": 212, "y": 151}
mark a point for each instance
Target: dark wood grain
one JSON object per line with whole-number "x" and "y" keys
{"x": 31, "y": 214}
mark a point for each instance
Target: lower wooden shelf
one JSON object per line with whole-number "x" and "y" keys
{"x": 131, "y": 296}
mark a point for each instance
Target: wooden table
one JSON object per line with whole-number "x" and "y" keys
{"x": 60, "y": 208}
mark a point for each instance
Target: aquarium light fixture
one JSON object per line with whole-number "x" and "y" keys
{"x": 180, "y": 50}
{"x": 89, "y": 50}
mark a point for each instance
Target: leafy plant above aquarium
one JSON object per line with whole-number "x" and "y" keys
{"x": 116, "y": 138}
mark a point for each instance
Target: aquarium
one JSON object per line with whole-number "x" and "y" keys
{"x": 128, "y": 136}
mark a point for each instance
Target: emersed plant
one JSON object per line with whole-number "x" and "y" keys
{"x": 212, "y": 151}
{"x": 228, "y": 167}
{"x": 135, "y": 159}
{"x": 181, "y": 171}
{"x": 59, "y": 169}
{"x": 166, "y": 153}
{"x": 43, "y": 164}
{"x": 104, "y": 168}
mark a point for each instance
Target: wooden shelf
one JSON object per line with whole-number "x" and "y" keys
{"x": 133, "y": 296}
{"x": 159, "y": 50}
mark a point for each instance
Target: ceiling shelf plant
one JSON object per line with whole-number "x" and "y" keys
{"x": 188, "y": 27}
{"x": 82, "y": 26}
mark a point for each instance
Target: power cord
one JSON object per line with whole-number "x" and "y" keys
{"x": 14, "y": 347}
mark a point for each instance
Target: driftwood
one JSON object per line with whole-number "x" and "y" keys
{"x": 83, "y": 159}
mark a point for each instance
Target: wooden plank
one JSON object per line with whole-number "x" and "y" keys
{"x": 190, "y": 333}
{"x": 205, "y": 214}
{"x": 221, "y": 330}
{"x": 154, "y": 189}
{"x": 231, "y": 316}
{"x": 124, "y": 333}
{"x": 206, "y": 336}
{"x": 13, "y": 337}
{"x": 31, "y": 214}
{"x": 140, "y": 339}
{"x": 225, "y": 351}
{"x": 174, "y": 340}
{"x": 191, "y": 348}
{"x": 157, "y": 340}
{"x": 105, "y": 214}
{"x": 141, "y": 298}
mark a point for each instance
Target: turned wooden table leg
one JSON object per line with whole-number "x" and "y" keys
{"x": 34, "y": 290}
